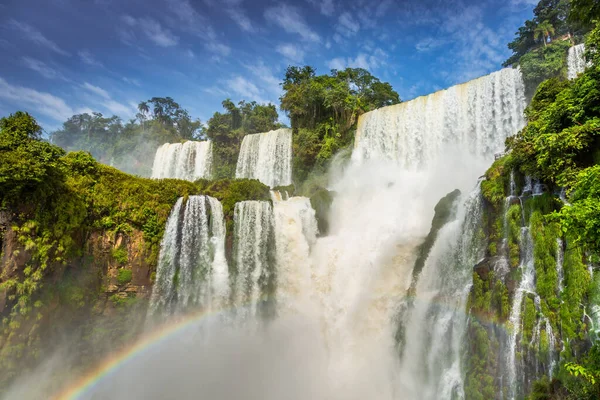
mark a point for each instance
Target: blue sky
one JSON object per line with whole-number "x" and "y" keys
{"x": 61, "y": 57}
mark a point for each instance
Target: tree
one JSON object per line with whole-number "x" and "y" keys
{"x": 29, "y": 167}
{"x": 544, "y": 30}
{"x": 585, "y": 11}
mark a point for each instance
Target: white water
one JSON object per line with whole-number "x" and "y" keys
{"x": 527, "y": 285}
{"x": 267, "y": 157}
{"x": 560, "y": 257}
{"x": 576, "y": 61}
{"x": 337, "y": 297}
{"x": 472, "y": 119}
{"x": 192, "y": 271}
{"x": 435, "y": 327}
{"x": 253, "y": 222}
{"x": 189, "y": 161}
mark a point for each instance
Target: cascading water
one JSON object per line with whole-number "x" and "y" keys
{"x": 472, "y": 119}
{"x": 576, "y": 61}
{"x": 267, "y": 157}
{"x": 253, "y": 222}
{"x": 189, "y": 161}
{"x": 436, "y": 322}
{"x": 341, "y": 293}
{"x": 192, "y": 271}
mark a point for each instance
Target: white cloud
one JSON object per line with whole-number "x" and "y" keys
{"x": 42, "y": 68}
{"x": 88, "y": 58}
{"x": 236, "y": 13}
{"x": 243, "y": 87}
{"x": 270, "y": 83}
{"x": 290, "y": 19}
{"x": 218, "y": 48}
{"x": 291, "y": 52}
{"x": 118, "y": 108}
{"x": 190, "y": 54}
{"x": 36, "y": 36}
{"x": 362, "y": 60}
{"x": 96, "y": 90}
{"x": 327, "y": 7}
{"x": 42, "y": 102}
{"x": 347, "y": 25}
{"x": 134, "y": 82}
{"x": 149, "y": 27}
{"x": 428, "y": 44}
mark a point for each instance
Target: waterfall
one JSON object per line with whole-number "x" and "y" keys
{"x": 295, "y": 234}
{"x": 189, "y": 161}
{"x": 436, "y": 322}
{"x": 527, "y": 285}
{"x": 267, "y": 157}
{"x": 253, "y": 221}
{"x": 341, "y": 293}
{"x": 192, "y": 271}
{"x": 576, "y": 61}
{"x": 472, "y": 119}
{"x": 560, "y": 256}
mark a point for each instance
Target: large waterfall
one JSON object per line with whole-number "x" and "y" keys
{"x": 189, "y": 161}
{"x": 334, "y": 303}
{"x": 576, "y": 61}
{"x": 471, "y": 119}
{"x": 192, "y": 270}
{"x": 267, "y": 157}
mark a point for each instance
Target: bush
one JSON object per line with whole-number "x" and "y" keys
{"x": 124, "y": 276}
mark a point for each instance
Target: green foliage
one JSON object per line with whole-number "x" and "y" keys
{"x": 324, "y": 110}
{"x": 544, "y": 63}
{"x": 120, "y": 255}
{"x": 550, "y": 18}
{"x": 585, "y": 11}
{"x": 227, "y": 130}
{"x": 124, "y": 276}
{"x": 29, "y": 168}
{"x": 494, "y": 186}
{"x": 130, "y": 145}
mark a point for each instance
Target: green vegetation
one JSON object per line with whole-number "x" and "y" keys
{"x": 324, "y": 110}
{"x": 228, "y": 129}
{"x": 130, "y": 146}
{"x": 124, "y": 276}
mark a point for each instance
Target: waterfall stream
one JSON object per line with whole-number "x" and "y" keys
{"x": 332, "y": 302}
{"x": 267, "y": 157}
{"x": 576, "y": 61}
{"x": 189, "y": 161}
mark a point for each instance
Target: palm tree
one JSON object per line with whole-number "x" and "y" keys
{"x": 543, "y": 30}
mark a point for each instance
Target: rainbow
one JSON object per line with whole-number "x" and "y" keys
{"x": 105, "y": 368}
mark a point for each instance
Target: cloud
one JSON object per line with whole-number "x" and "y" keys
{"x": 191, "y": 21}
{"x": 88, "y": 58}
{"x": 362, "y": 60}
{"x": 291, "y": 52}
{"x": 270, "y": 83}
{"x": 429, "y": 44}
{"x": 327, "y": 7}
{"x": 96, "y": 90}
{"x": 134, "y": 82}
{"x": 118, "y": 108}
{"x": 42, "y": 68}
{"x": 149, "y": 27}
{"x": 243, "y": 87}
{"x": 290, "y": 19}
{"x": 236, "y": 13}
{"x": 42, "y": 102}
{"x": 218, "y": 48}
{"x": 347, "y": 25}
{"x": 383, "y": 8}
{"x": 36, "y": 36}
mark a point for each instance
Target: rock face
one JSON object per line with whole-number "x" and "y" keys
{"x": 91, "y": 298}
